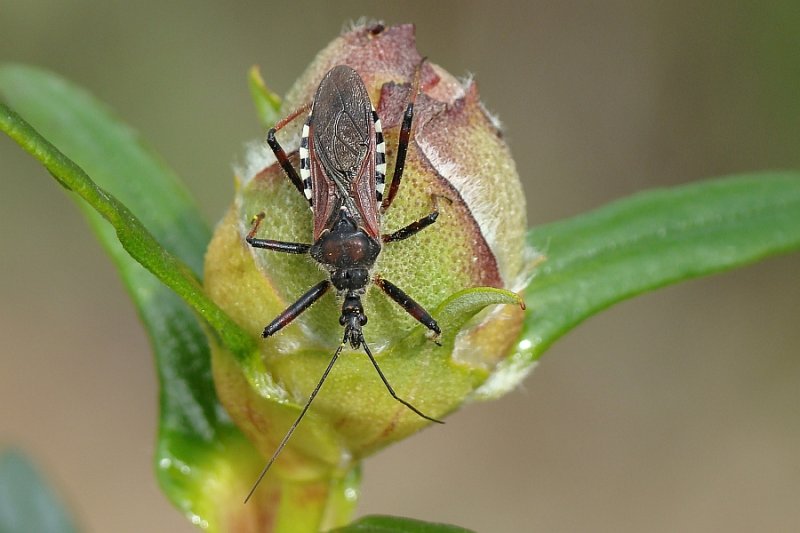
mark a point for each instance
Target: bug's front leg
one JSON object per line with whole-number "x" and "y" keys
{"x": 269, "y": 244}
{"x": 406, "y": 302}
{"x": 294, "y": 310}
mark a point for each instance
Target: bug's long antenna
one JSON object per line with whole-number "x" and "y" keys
{"x": 299, "y": 418}
{"x": 389, "y": 387}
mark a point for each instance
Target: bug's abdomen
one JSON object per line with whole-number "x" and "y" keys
{"x": 342, "y": 124}
{"x": 342, "y": 152}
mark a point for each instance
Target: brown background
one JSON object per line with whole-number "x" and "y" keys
{"x": 677, "y": 411}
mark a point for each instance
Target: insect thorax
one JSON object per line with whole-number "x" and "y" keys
{"x": 347, "y": 252}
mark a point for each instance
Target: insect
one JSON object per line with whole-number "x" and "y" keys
{"x": 342, "y": 176}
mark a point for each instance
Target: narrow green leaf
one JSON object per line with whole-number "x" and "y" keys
{"x": 653, "y": 239}
{"x": 195, "y": 434}
{"x": 395, "y": 524}
{"x": 268, "y": 104}
{"x": 26, "y": 501}
{"x": 21, "y": 86}
{"x": 458, "y": 308}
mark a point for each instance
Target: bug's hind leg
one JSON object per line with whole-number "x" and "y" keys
{"x": 280, "y": 154}
{"x": 402, "y": 144}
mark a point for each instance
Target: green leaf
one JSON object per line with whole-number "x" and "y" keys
{"x": 195, "y": 434}
{"x": 268, "y": 104}
{"x": 650, "y": 240}
{"x": 132, "y": 234}
{"x": 394, "y": 524}
{"x": 26, "y": 502}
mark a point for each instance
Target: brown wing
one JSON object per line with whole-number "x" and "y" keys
{"x": 342, "y": 151}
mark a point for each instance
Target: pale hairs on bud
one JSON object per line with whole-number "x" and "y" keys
{"x": 493, "y": 118}
{"x": 258, "y": 156}
{"x": 466, "y": 81}
{"x": 360, "y": 23}
{"x": 474, "y": 192}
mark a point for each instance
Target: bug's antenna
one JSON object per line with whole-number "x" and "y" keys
{"x": 389, "y": 387}
{"x": 299, "y": 418}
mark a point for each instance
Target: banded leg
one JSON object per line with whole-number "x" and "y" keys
{"x": 297, "y": 308}
{"x": 279, "y": 152}
{"x": 402, "y": 144}
{"x": 269, "y": 244}
{"x": 406, "y": 302}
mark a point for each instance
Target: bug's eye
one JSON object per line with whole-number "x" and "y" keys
{"x": 363, "y": 319}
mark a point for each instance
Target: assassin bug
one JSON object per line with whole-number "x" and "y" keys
{"x": 342, "y": 176}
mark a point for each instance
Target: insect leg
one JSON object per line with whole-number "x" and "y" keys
{"x": 412, "y": 229}
{"x": 389, "y": 387}
{"x": 269, "y": 244}
{"x": 402, "y": 144}
{"x": 282, "y": 445}
{"x": 405, "y": 301}
{"x": 294, "y": 310}
{"x": 280, "y": 154}
{"x": 418, "y": 225}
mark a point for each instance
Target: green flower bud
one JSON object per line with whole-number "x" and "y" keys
{"x": 458, "y": 268}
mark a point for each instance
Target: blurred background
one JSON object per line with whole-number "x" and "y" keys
{"x": 676, "y": 411}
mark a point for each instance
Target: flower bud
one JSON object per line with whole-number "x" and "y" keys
{"x": 457, "y": 269}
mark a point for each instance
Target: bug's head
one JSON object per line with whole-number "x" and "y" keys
{"x": 353, "y": 318}
{"x": 350, "y": 279}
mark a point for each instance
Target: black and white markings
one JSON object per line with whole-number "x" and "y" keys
{"x": 305, "y": 163}
{"x": 380, "y": 160}
{"x": 380, "y": 157}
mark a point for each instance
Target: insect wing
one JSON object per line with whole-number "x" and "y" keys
{"x": 341, "y": 148}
